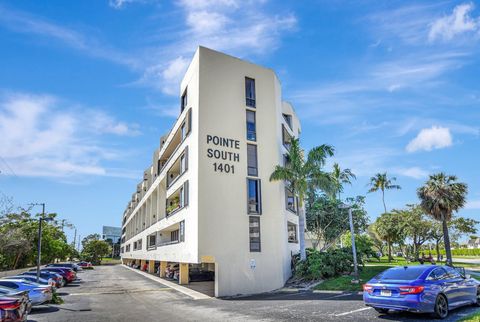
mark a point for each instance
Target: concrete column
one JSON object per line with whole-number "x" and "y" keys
{"x": 163, "y": 267}
{"x": 183, "y": 278}
{"x": 151, "y": 266}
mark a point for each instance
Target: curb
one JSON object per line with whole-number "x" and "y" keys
{"x": 191, "y": 293}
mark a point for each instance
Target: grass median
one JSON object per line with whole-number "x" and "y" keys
{"x": 371, "y": 269}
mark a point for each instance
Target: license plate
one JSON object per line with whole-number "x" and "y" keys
{"x": 385, "y": 293}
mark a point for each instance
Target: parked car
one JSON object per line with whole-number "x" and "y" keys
{"x": 73, "y": 266}
{"x": 424, "y": 289}
{"x": 68, "y": 274}
{"x": 85, "y": 265}
{"x": 29, "y": 278}
{"x": 8, "y": 292}
{"x": 14, "y": 309}
{"x": 59, "y": 281}
{"x": 37, "y": 293}
{"x": 200, "y": 275}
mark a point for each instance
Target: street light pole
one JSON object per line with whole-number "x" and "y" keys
{"x": 39, "y": 244}
{"x": 354, "y": 249}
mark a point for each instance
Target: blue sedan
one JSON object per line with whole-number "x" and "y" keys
{"x": 424, "y": 289}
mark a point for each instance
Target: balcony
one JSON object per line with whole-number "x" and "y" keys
{"x": 177, "y": 169}
{"x": 173, "y": 234}
{"x": 177, "y": 200}
{"x": 286, "y": 138}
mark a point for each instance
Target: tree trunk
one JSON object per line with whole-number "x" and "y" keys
{"x": 389, "y": 252}
{"x": 437, "y": 247}
{"x": 383, "y": 200}
{"x": 446, "y": 240}
{"x": 17, "y": 258}
{"x": 301, "y": 232}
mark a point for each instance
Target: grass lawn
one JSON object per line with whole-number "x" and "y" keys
{"x": 343, "y": 283}
{"x": 475, "y": 317}
{"x": 400, "y": 261}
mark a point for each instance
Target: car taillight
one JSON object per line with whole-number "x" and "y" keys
{"x": 404, "y": 290}
{"x": 368, "y": 288}
{"x": 10, "y": 305}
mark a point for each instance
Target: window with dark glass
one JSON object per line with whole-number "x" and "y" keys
{"x": 254, "y": 196}
{"x": 290, "y": 200}
{"x": 292, "y": 233}
{"x": 254, "y": 231}
{"x": 251, "y": 126}
{"x": 151, "y": 241}
{"x": 250, "y": 91}
{"x": 183, "y": 101}
{"x": 286, "y": 138}
{"x": 288, "y": 120}
{"x": 252, "y": 160}
{"x": 174, "y": 235}
{"x": 182, "y": 231}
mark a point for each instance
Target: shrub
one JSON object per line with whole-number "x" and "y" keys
{"x": 325, "y": 264}
{"x": 463, "y": 252}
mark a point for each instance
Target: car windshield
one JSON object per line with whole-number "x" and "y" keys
{"x": 401, "y": 273}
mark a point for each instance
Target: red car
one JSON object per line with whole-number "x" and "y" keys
{"x": 85, "y": 265}
{"x": 14, "y": 309}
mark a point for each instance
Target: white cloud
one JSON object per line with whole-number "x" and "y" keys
{"x": 41, "y": 139}
{"x": 473, "y": 205}
{"x": 458, "y": 22}
{"x": 431, "y": 138}
{"x": 240, "y": 28}
{"x": 412, "y": 172}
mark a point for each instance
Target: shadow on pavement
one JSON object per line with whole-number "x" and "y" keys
{"x": 408, "y": 316}
{"x": 43, "y": 309}
{"x": 298, "y": 296}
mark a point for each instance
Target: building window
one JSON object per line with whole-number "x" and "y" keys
{"x": 183, "y": 101}
{"x": 174, "y": 235}
{"x": 288, "y": 120}
{"x": 292, "y": 233}
{"x": 254, "y": 231}
{"x": 152, "y": 241}
{"x": 252, "y": 160}
{"x": 127, "y": 248}
{"x": 251, "y": 126}
{"x": 254, "y": 196}
{"x": 134, "y": 245}
{"x": 177, "y": 200}
{"x": 139, "y": 244}
{"x": 286, "y": 138}
{"x": 250, "y": 91}
{"x": 290, "y": 200}
{"x": 182, "y": 231}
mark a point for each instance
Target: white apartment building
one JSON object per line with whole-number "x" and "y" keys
{"x": 206, "y": 202}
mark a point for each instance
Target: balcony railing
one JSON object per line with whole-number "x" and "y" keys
{"x": 170, "y": 242}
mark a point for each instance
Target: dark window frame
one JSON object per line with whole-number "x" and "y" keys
{"x": 290, "y": 224}
{"x": 184, "y": 100}
{"x": 251, "y": 135}
{"x": 294, "y": 209}
{"x": 252, "y": 170}
{"x": 256, "y": 240}
{"x": 250, "y": 93}
{"x": 259, "y": 196}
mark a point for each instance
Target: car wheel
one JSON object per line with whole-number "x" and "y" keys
{"x": 381, "y": 311}
{"x": 441, "y": 307}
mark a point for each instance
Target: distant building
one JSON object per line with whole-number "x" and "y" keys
{"x": 113, "y": 233}
{"x": 474, "y": 243}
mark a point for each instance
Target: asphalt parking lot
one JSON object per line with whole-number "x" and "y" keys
{"x": 115, "y": 293}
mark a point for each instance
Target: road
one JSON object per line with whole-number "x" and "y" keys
{"x": 115, "y": 293}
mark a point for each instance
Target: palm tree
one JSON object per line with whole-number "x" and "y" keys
{"x": 341, "y": 177}
{"x": 299, "y": 174}
{"x": 381, "y": 182}
{"x": 440, "y": 197}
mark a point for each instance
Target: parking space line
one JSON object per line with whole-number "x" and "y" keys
{"x": 354, "y": 311}
{"x": 193, "y": 294}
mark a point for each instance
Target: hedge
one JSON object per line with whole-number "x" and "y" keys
{"x": 463, "y": 252}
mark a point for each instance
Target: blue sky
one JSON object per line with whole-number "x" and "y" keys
{"x": 88, "y": 87}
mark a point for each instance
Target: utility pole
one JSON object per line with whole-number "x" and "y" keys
{"x": 79, "y": 238}
{"x": 354, "y": 249}
{"x": 39, "y": 242}
{"x": 75, "y": 238}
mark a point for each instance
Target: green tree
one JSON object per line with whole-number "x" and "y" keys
{"x": 378, "y": 243}
{"x": 390, "y": 229}
{"x": 340, "y": 177}
{"x": 381, "y": 182}
{"x": 440, "y": 197}
{"x": 94, "y": 249}
{"x": 299, "y": 173}
{"x": 416, "y": 227}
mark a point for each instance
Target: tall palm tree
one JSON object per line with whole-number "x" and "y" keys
{"x": 440, "y": 197}
{"x": 299, "y": 174}
{"x": 381, "y": 182}
{"x": 341, "y": 177}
